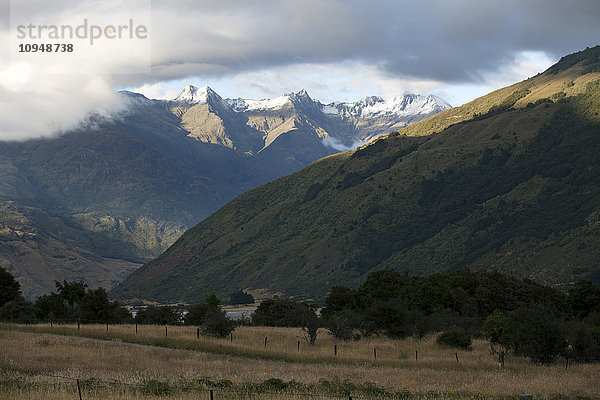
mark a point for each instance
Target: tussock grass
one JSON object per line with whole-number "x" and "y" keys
{"x": 29, "y": 354}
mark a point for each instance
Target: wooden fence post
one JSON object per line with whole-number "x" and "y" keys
{"x": 335, "y": 349}
{"x": 106, "y": 326}
{"x": 136, "y": 328}
{"x": 416, "y": 355}
{"x": 456, "y": 354}
{"x": 266, "y": 338}
{"x": 211, "y": 394}
{"x": 166, "y": 333}
{"x": 298, "y": 345}
{"x": 77, "y": 324}
{"x": 375, "y": 352}
{"x": 78, "y": 389}
{"x": 198, "y": 333}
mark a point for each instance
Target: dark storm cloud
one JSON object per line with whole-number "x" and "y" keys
{"x": 271, "y": 43}
{"x": 444, "y": 40}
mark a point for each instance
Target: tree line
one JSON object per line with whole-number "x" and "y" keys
{"x": 518, "y": 315}
{"x": 522, "y": 316}
{"x": 75, "y": 302}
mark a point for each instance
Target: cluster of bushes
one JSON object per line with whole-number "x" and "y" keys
{"x": 76, "y": 302}
{"x": 241, "y": 297}
{"x": 544, "y": 333}
{"x": 210, "y": 317}
{"x": 288, "y": 313}
{"x": 530, "y": 319}
{"x": 72, "y": 302}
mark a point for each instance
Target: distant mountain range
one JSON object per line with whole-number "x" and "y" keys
{"x": 508, "y": 182}
{"x": 96, "y": 202}
{"x": 342, "y": 124}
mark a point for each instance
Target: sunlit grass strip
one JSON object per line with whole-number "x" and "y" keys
{"x": 182, "y": 338}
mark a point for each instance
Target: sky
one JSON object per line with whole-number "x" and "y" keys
{"x": 338, "y": 50}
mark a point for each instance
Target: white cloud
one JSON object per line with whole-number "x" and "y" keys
{"x": 45, "y": 105}
{"x": 522, "y": 65}
{"x": 44, "y": 93}
{"x": 339, "y": 146}
{"x": 351, "y": 81}
{"x": 156, "y": 91}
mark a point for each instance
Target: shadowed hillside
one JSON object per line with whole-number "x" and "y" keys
{"x": 515, "y": 188}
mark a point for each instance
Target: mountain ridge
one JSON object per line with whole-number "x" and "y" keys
{"x": 396, "y": 106}
{"x": 118, "y": 191}
{"x": 504, "y": 182}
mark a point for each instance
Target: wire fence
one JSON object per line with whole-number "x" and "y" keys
{"x": 81, "y": 386}
{"x": 564, "y": 359}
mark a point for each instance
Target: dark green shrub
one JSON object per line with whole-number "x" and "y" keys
{"x": 10, "y": 289}
{"x": 95, "y": 306}
{"x": 219, "y": 383}
{"x": 156, "y": 388}
{"x": 223, "y": 384}
{"x": 310, "y": 327}
{"x": 19, "y": 311}
{"x": 213, "y": 301}
{"x": 584, "y": 342}
{"x": 216, "y": 323}
{"x": 456, "y": 338}
{"x": 343, "y": 327}
{"x": 197, "y": 314}
{"x": 495, "y": 327}
{"x": 274, "y": 384}
{"x": 75, "y": 301}
{"x": 241, "y": 297}
{"x": 281, "y": 312}
{"x": 158, "y": 316}
{"x": 535, "y": 332}
{"x": 584, "y": 298}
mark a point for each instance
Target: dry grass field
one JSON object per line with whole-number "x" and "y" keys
{"x": 40, "y": 362}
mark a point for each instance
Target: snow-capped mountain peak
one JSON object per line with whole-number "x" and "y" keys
{"x": 193, "y": 95}
{"x": 406, "y": 105}
{"x": 375, "y": 106}
{"x": 243, "y": 105}
{"x": 301, "y": 95}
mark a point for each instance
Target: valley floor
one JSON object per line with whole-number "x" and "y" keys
{"x": 43, "y": 362}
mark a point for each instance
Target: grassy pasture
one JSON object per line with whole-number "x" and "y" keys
{"x": 39, "y": 362}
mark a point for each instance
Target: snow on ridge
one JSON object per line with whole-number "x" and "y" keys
{"x": 370, "y": 107}
{"x": 242, "y": 105}
{"x": 329, "y": 109}
{"x": 406, "y": 105}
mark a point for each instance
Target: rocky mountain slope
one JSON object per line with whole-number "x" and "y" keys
{"x": 508, "y": 182}
{"x": 96, "y": 202}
